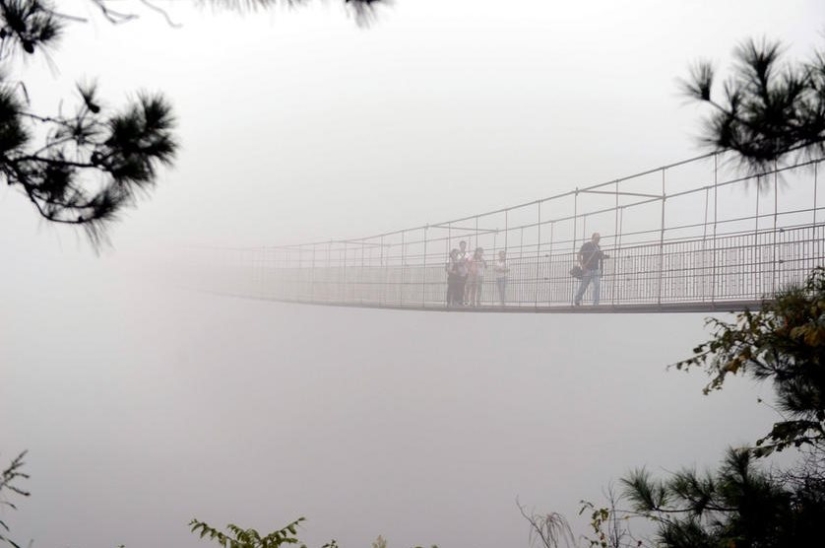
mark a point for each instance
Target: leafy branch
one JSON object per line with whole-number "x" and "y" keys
{"x": 84, "y": 168}
{"x": 8, "y": 477}
{"x": 250, "y": 538}
{"x": 783, "y": 342}
{"x": 768, "y": 109}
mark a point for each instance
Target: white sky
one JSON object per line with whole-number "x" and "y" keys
{"x": 144, "y": 406}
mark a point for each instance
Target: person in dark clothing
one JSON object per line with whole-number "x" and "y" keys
{"x": 455, "y": 289}
{"x": 590, "y": 259}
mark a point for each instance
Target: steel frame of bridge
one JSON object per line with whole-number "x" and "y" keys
{"x": 694, "y": 236}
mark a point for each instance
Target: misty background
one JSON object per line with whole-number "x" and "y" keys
{"x": 144, "y": 404}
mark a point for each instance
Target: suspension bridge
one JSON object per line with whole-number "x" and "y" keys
{"x": 693, "y": 236}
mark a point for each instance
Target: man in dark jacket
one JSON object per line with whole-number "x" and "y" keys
{"x": 590, "y": 259}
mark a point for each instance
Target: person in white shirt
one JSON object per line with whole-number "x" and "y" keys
{"x": 501, "y": 269}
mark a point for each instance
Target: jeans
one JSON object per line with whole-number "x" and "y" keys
{"x": 502, "y": 289}
{"x": 460, "y": 289}
{"x": 475, "y": 284}
{"x": 594, "y": 276}
{"x": 453, "y": 297}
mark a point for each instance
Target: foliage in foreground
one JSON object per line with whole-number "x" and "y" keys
{"x": 548, "y": 530}
{"x": 11, "y": 474}
{"x": 250, "y": 538}
{"x": 239, "y": 537}
{"x": 783, "y": 343}
{"x": 739, "y": 505}
{"x": 83, "y": 166}
{"x": 769, "y": 108}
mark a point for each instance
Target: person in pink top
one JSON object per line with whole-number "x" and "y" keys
{"x": 475, "y": 277}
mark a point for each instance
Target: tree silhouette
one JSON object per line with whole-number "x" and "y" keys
{"x": 769, "y": 109}
{"x": 8, "y": 479}
{"x": 84, "y": 167}
{"x": 738, "y": 505}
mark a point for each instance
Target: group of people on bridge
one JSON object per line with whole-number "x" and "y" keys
{"x": 465, "y": 273}
{"x": 465, "y": 276}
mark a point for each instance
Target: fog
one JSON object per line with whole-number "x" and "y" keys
{"x": 144, "y": 404}
{"x": 150, "y": 407}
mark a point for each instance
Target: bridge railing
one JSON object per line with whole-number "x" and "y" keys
{"x": 692, "y": 232}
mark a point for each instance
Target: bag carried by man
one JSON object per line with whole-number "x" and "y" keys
{"x": 578, "y": 271}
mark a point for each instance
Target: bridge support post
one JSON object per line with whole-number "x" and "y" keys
{"x": 662, "y": 241}
{"x": 424, "y": 271}
{"x": 312, "y": 276}
{"x": 615, "y": 247}
{"x": 383, "y": 280}
{"x": 575, "y": 234}
{"x": 402, "y": 282}
{"x": 537, "y": 284}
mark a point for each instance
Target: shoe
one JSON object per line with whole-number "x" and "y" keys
{"x": 577, "y": 303}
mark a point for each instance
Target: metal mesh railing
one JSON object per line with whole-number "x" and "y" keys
{"x": 692, "y": 234}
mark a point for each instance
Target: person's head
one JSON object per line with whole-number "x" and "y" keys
{"x": 596, "y": 237}
{"x": 502, "y": 254}
{"x": 454, "y": 253}
{"x": 479, "y": 252}
{"x": 463, "y": 245}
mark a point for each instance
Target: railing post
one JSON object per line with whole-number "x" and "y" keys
{"x": 756, "y": 263}
{"x": 299, "y": 274}
{"x": 816, "y": 184}
{"x": 662, "y": 240}
{"x": 449, "y": 242}
{"x": 506, "y": 250}
{"x": 615, "y": 247}
{"x": 403, "y": 268}
{"x": 312, "y": 276}
{"x": 550, "y": 265}
{"x": 575, "y": 237}
{"x": 329, "y": 270}
{"x": 813, "y": 228}
{"x": 704, "y": 244}
{"x": 424, "y": 271}
{"x": 621, "y": 233}
{"x": 538, "y": 256}
{"x": 775, "y": 217}
{"x": 521, "y": 265}
{"x": 362, "y": 274}
{"x": 384, "y": 279}
{"x": 715, "y": 223}
{"x": 345, "y": 288}
{"x": 506, "y": 227}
